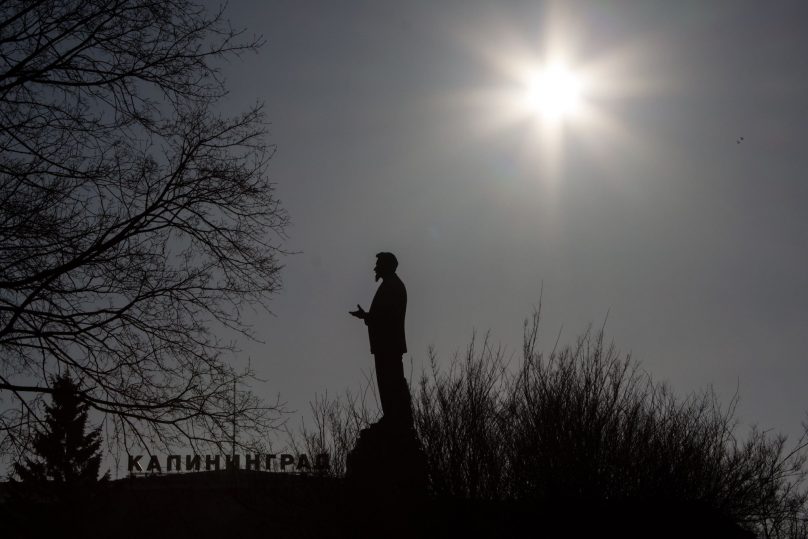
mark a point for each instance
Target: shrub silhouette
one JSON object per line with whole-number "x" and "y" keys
{"x": 585, "y": 424}
{"x": 337, "y": 424}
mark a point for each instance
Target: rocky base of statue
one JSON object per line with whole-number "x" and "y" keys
{"x": 387, "y": 461}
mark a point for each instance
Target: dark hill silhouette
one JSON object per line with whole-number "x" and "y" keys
{"x": 258, "y": 504}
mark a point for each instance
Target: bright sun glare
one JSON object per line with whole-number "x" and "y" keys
{"x": 555, "y": 91}
{"x": 543, "y": 87}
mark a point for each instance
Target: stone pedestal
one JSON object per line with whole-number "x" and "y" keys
{"x": 388, "y": 460}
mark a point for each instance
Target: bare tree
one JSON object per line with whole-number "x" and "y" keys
{"x": 135, "y": 220}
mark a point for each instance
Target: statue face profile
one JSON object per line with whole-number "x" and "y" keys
{"x": 378, "y": 270}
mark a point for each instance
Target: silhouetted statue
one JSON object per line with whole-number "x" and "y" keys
{"x": 387, "y": 458}
{"x": 385, "y": 322}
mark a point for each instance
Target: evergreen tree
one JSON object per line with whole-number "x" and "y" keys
{"x": 63, "y": 452}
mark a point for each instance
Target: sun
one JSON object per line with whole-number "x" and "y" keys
{"x": 555, "y": 91}
{"x": 550, "y": 94}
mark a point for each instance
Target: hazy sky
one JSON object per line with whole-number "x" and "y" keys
{"x": 397, "y": 130}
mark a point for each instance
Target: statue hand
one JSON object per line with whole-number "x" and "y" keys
{"x": 359, "y": 312}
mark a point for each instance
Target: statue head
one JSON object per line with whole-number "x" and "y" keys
{"x": 386, "y": 264}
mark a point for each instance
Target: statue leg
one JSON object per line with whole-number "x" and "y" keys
{"x": 393, "y": 391}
